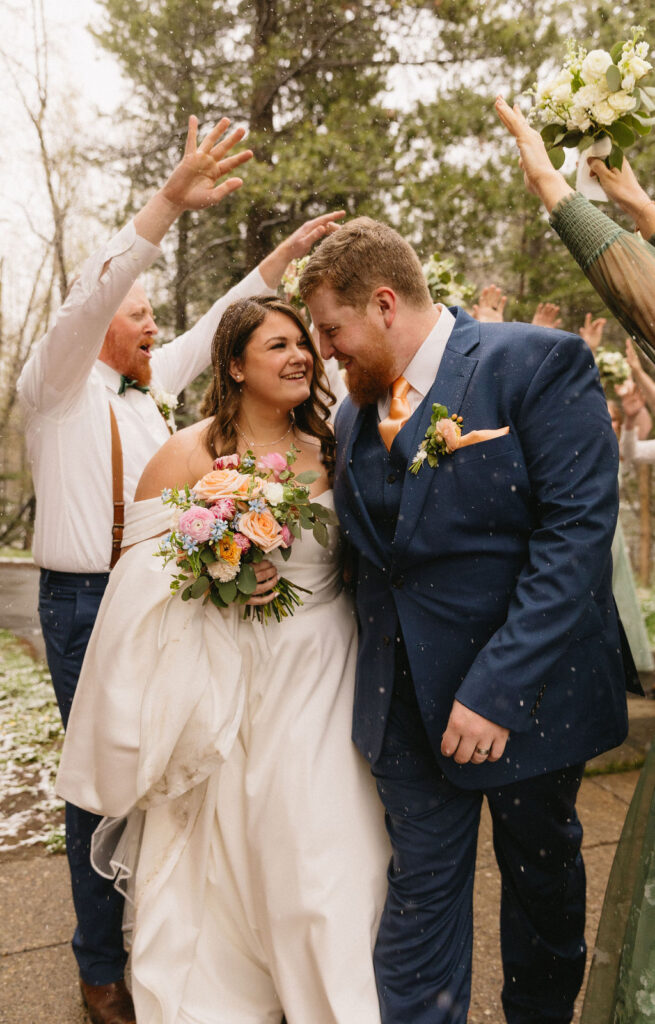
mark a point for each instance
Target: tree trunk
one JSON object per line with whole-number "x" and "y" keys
{"x": 259, "y": 233}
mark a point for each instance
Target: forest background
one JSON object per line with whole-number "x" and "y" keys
{"x": 379, "y": 107}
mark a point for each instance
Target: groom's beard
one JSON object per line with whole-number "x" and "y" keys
{"x": 368, "y": 377}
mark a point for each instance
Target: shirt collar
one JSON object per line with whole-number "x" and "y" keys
{"x": 422, "y": 368}
{"x": 111, "y": 378}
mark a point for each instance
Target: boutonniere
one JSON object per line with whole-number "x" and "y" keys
{"x": 444, "y": 436}
{"x": 441, "y": 438}
{"x": 166, "y": 403}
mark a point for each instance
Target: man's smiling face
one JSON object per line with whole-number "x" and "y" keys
{"x": 358, "y": 340}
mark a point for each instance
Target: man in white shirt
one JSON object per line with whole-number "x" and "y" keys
{"x": 98, "y": 357}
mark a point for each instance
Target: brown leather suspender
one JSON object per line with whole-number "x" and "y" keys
{"x": 117, "y": 490}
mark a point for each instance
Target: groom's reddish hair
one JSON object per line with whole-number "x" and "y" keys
{"x": 361, "y": 256}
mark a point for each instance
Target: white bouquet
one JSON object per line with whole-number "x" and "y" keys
{"x": 598, "y": 99}
{"x": 445, "y": 284}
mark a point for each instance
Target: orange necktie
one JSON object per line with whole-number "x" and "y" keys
{"x": 399, "y": 412}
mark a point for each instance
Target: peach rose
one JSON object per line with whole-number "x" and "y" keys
{"x": 222, "y": 483}
{"x": 262, "y": 529}
{"x": 450, "y": 432}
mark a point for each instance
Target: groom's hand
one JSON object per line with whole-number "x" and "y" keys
{"x": 470, "y": 737}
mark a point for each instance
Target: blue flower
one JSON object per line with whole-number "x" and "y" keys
{"x": 166, "y": 494}
{"x": 236, "y": 522}
{"x": 189, "y": 544}
{"x": 257, "y": 504}
{"x": 247, "y": 462}
{"x": 218, "y": 529}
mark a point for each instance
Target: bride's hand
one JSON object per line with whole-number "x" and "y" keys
{"x": 540, "y": 176}
{"x": 266, "y": 574}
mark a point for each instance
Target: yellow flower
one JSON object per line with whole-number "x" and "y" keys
{"x": 229, "y": 551}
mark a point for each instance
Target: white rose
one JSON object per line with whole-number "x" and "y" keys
{"x": 273, "y": 492}
{"x": 621, "y": 102}
{"x": 603, "y": 112}
{"x": 562, "y": 92}
{"x": 634, "y": 65}
{"x": 578, "y": 121}
{"x": 595, "y": 65}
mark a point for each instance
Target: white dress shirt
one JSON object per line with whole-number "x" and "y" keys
{"x": 422, "y": 368}
{"x": 634, "y": 450}
{"x": 66, "y": 391}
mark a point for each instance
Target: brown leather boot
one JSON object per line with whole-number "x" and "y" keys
{"x": 108, "y": 1004}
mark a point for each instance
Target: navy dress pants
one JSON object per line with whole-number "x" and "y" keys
{"x": 423, "y": 950}
{"x": 68, "y": 606}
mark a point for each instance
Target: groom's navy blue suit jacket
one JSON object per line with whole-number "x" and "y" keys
{"x": 498, "y": 574}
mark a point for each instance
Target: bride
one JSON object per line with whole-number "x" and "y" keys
{"x": 241, "y": 819}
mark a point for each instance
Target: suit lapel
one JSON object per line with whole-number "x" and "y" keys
{"x": 449, "y": 389}
{"x": 359, "y": 520}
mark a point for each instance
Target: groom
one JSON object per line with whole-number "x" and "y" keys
{"x": 490, "y": 659}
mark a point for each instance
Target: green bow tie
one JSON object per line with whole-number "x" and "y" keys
{"x": 129, "y": 382}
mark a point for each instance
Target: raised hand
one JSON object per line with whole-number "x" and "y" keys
{"x": 297, "y": 245}
{"x": 193, "y": 185}
{"x": 470, "y": 737}
{"x": 620, "y": 185}
{"x": 547, "y": 315}
{"x": 540, "y": 176}
{"x": 490, "y": 306}
{"x": 592, "y": 331}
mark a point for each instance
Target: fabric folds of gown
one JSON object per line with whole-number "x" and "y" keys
{"x": 261, "y": 847}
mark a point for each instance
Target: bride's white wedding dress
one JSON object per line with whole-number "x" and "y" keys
{"x": 254, "y": 832}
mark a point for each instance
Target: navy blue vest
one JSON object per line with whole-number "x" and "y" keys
{"x": 379, "y": 474}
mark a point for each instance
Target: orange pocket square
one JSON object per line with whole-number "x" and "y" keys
{"x": 477, "y": 436}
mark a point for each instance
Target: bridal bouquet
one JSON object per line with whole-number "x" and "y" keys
{"x": 597, "y": 98}
{"x": 445, "y": 284}
{"x": 231, "y": 519}
{"x": 613, "y": 368}
{"x": 290, "y": 280}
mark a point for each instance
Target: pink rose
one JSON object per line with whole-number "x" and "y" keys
{"x": 262, "y": 529}
{"x": 287, "y": 536}
{"x": 227, "y": 462}
{"x": 450, "y": 432}
{"x": 197, "y": 522}
{"x": 273, "y": 461}
{"x": 224, "y": 508}
{"x": 241, "y": 541}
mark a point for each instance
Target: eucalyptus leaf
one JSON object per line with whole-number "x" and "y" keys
{"x": 246, "y": 580}
{"x": 207, "y": 556}
{"x": 321, "y": 534}
{"x": 621, "y": 134}
{"x": 556, "y": 157}
{"x": 294, "y": 528}
{"x": 550, "y": 133}
{"x": 228, "y": 591}
{"x": 615, "y": 158}
{"x": 307, "y": 477}
{"x": 571, "y": 139}
{"x": 616, "y": 51}
{"x": 200, "y": 585}
{"x": 286, "y": 553}
{"x": 613, "y": 78}
{"x": 215, "y": 598}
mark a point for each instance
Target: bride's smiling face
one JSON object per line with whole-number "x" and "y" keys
{"x": 277, "y": 363}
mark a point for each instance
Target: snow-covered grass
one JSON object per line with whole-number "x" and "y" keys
{"x": 30, "y": 743}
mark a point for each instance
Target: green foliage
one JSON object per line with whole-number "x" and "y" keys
{"x": 313, "y": 84}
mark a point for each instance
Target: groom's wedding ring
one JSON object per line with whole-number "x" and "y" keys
{"x": 483, "y": 753}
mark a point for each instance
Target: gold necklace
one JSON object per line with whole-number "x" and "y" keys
{"x": 264, "y": 444}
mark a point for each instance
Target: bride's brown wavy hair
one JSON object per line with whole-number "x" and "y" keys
{"x": 223, "y": 396}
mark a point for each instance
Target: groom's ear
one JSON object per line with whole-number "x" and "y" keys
{"x": 385, "y": 303}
